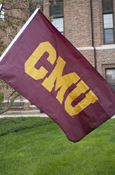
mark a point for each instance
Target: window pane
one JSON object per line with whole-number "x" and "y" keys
{"x": 108, "y": 21}
{"x": 110, "y": 77}
{"x": 58, "y": 23}
{"x": 109, "y": 36}
{"x": 56, "y": 10}
{"x": 107, "y": 5}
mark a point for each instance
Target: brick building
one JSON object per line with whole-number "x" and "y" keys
{"x": 89, "y": 26}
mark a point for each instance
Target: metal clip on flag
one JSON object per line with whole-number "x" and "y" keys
{"x": 45, "y": 68}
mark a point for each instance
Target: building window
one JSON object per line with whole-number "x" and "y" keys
{"x": 1, "y": 12}
{"x": 107, "y": 8}
{"x": 33, "y": 5}
{"x": 56, "y": 11}
{"x": 110, "y": 77}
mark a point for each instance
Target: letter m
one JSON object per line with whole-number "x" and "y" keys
{"x": 62, "y": 82}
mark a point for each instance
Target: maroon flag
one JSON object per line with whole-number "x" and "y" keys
{"x": 44, "y": 67}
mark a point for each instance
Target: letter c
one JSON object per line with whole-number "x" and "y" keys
{"x": 30, "y": 69}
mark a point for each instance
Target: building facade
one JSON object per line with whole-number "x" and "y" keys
{"x": 89, "y": 25}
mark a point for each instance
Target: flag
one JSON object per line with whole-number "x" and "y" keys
{"x": 45, "y": 68}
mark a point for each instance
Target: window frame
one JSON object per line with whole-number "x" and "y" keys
{"x": 61, "y": 15}
{"x": 51, "y": 7}
{"x": 111, "y": 84}
{"x": 61, "y": 31}
{"x": 107, "y": 12}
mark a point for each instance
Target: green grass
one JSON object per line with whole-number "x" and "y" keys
{"x": 37, "y": 146}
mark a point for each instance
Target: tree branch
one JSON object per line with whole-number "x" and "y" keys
{"x": 10, "y": 104}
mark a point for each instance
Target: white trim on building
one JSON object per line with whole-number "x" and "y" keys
{"x": 102, "y": 47}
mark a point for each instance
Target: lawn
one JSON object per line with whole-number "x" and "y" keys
{"x": 37, "y": 146}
